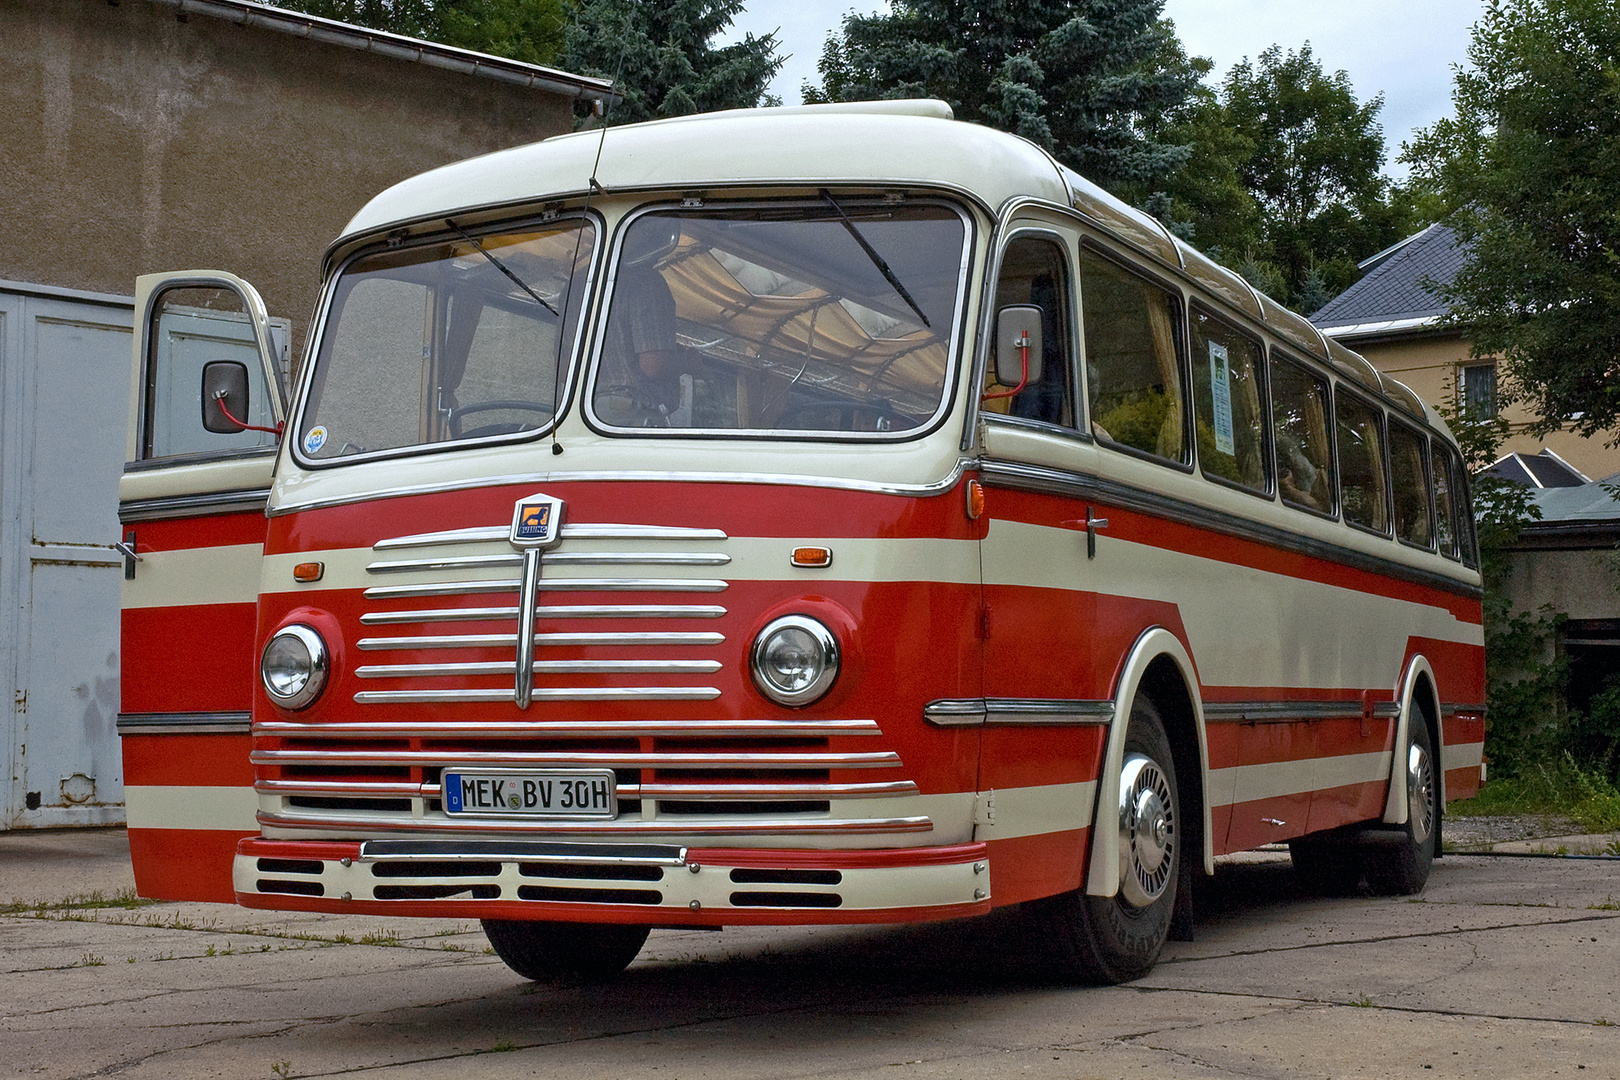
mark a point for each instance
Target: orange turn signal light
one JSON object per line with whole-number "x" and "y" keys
{"x": 975, "y": 500}
{"x": 307, "y": 572}
{"x": 812, "y": 557}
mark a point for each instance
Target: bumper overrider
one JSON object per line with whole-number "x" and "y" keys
{"x": 651, "y": 884}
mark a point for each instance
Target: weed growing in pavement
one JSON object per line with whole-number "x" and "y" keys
{"x": 505, "y": 1046}
{"x": 89, "y": 959}
{"x": 1362, "y": 1002}
{"x": 90, "y": 901}
{"x": 1609, "y": 904}
{"x": 381, "y": 937}
{"x": 282, "y": 1069}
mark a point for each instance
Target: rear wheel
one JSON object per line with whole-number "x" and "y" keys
{"x": 565, "y": 952}
{"x": 1402, "y": 869}
{"x": 1118, "y": 938}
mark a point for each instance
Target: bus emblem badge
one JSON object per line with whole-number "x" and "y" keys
{"x": 537, "y": 521}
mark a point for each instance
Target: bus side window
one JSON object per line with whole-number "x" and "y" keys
{"x": 1034, "y": 271}
{"x": 1227, "y": 416}
{"x": 1299, "y": 410}
{"x": 1133, "y": 376}
{"x": 1361, "y": 464}
{"x": 1409, "y": 471}
{"x": 1445, "y": 506}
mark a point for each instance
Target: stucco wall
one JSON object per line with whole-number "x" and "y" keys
{"x": 1582, "y": 584}
{"x": 1430, "y": 366}
{"x": 133, "y": 139}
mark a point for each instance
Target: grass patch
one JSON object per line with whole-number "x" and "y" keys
{"x": 1561, "y": 787}
{"x": 124, "y": 899}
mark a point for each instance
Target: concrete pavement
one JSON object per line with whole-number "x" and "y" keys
{"x": 1507, "y": 966}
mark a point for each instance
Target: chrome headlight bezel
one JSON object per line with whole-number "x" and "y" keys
{"x": 309, "y": 673}
{"x": 813, "y": 641}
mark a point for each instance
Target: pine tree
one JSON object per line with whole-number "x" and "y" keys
{"x": 659, "y": 55}
{"x": 1083, "y": 78}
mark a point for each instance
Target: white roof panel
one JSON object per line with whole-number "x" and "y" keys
{"x": 808, "y": 145}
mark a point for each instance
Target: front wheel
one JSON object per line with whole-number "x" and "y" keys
{"x": 552, "y": 952}
{"x": 1402, "y": 869}
{"x": 1115, "y": 939}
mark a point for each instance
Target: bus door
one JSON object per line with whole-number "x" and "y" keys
{"x": 1045, "y": 721}
{"x": 206, "y": 409}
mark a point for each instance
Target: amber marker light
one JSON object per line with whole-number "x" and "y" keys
{"x": 975, "y": 500}
{"x": 813, "y": 558}
{"x": 307, "y": 572}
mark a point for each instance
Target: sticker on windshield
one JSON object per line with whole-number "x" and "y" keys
{"x": 314, "y": 439}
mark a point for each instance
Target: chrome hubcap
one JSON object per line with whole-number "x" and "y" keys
{"x": 1419, "y": 793}
{"x": 1147, "y": 831}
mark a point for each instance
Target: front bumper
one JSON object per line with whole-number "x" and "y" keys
{"x": 652, "y": 884}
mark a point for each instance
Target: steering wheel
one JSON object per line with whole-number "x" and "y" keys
{"x": 542, "y": 410}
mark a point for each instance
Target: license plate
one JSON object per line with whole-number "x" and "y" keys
{"x": 537, "y": 793}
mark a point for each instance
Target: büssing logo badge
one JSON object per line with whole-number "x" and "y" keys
{"x": 537, "y": 521}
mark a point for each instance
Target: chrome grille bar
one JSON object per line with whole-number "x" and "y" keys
{"x": 539, "y": 693}
{"x": 555, "y": 611}
{"x": 693, "y": 792}
{"x": 546, "y": 640}
{"x": 490, "y": 729}
{"x": 604, "y": 759}
{"x": 695, "y": 826}
{"x": 603, "y": 531}
{"x": 543, "y": 667}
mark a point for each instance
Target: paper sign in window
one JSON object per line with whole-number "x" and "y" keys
{"x": 1220, "y": 390}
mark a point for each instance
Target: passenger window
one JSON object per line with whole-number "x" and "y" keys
{"x": 1132, "y": 373}
{"x": 193, "y": 327}
{"x": 1034, "y": 271}
{"x": 1445, "y": 507}
{"x": 1299, "y": 411}
{"x": 1466, "y": 540}
{"x": 1361, "y": 464}
{"x": 1226, "y": 403}
{"x": 1409, "y": 473}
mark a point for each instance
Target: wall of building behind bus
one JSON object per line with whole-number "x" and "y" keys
{"x": 138, "y": 139}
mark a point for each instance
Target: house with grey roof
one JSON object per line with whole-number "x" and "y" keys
{"x": 1394, "y": 318}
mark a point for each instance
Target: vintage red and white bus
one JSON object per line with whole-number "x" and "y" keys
{"x": 809, "y": 515}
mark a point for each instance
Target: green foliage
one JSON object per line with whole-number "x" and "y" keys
{"x": 1529, "y": 171}
{"x": 526, "y": 30}
{"x": 1555, "y": 785}
{"x": 1089, "y": 80}
{"x": 659, "y": 55}
{"x": 1310, "y": 155}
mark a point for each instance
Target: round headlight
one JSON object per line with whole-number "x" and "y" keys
{"x": 294, "y": 666}
{"x": 795, "y": 660}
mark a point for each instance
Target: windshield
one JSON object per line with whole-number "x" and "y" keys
{"x": 451, "y": 341}
{"x": 826, "y": 316}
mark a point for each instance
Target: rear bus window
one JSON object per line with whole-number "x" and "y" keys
{"x": 1361, "y": 464}
{"x": 1227, "y": 415}
{"x": 1132, "y": 374}
{"x": 1445, "y": 505}
{"x": 1299, "y": 411}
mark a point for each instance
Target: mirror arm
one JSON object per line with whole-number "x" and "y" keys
{"x": 1023, "y": 381}
{"x": 220, "y": 397}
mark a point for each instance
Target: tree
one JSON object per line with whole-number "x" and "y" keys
{"x": 526, "y": 30}
{"x": 659, "y": 56}
{"x": 1314, "y": 168}
{"x": 1529, "y": 173}
{"x": 1082, "y": 78}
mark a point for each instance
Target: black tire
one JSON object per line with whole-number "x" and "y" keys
{"x": 1402, "y": 869}
{"x": 1326, "y": 867}
{"x": 552, "y": 952}
{"x": 1114, "y": 939}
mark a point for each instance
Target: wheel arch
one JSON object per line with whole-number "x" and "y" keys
{"x": 1160, "y": 666}
{"x": 1420, "y": 700}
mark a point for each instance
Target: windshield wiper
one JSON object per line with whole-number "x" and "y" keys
{"x": 877, "y": 260}
{"x": 478, "y": 245}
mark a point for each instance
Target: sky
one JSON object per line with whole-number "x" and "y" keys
{"x": 1404, "y": 49}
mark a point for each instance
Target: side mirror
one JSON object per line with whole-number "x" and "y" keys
{"x": 225, "y": 397}
{"x": 1018, "y": 345}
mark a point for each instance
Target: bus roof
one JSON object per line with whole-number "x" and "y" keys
{"x": 890, "y": 144}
